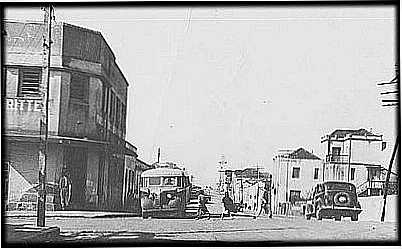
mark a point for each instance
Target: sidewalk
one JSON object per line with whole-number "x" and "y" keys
{"x": 71, "y": 214}
{"x": 28, "y": 234}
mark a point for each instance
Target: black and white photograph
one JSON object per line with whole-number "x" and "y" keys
{"x": 137, "y": 124}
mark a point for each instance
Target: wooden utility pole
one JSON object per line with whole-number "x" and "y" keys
{"x": 392, "y": 100}
{"x": 258, "y": 186}
{"x": 44, "y": 90}
{"x": 396, "y": 146}
{"x": 221, "y": 170}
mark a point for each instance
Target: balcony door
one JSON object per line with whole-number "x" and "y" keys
{"x": 336, "y": 154}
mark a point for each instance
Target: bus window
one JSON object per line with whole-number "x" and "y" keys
{"x": 169, "y": 181}
{"x": 179, "y": 181}
{"x": 154, "y": 181}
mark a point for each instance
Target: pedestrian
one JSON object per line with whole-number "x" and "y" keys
{"x": 202, "y": 207}
{"x": 228, "y": 205}
{"x": 264, "y": 204}
{"x": 65, "y": 189}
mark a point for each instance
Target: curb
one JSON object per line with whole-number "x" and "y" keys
{"x": 72, "y": 215}
{"x": 21, "y": 234}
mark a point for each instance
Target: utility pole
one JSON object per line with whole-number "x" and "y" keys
{"x": 44, "y": 90}
{"x": 222, "y": 162}
{"x": 258, "y": 186}
{"x": 396, "y": 146}
{"x": 349, "y": 157}
{"x": 393, "y": 101}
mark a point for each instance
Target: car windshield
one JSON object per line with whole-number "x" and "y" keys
{"x": 339, "y": 186}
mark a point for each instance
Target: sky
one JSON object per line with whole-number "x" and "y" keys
{"x": 244, "y": 82}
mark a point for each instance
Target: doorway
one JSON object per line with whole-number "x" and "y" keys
{"x": 75, "y": 160}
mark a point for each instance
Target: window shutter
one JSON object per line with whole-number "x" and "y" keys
{"x": 29, "y": 82}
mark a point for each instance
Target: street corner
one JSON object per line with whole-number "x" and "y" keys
{"x": 17, "y": 234}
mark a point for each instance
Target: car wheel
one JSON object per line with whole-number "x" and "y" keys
{"x": 354, "y": 217}
{"x": 318, "y": 214}
{"x": 338, "y": 218}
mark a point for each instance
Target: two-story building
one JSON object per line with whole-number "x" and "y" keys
{"x": 355, "y": 156}
{"x": 295, "y": 173}
{"x": 87, "y": 115}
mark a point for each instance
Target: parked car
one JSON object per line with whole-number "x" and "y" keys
{"x": 334, "y": 200}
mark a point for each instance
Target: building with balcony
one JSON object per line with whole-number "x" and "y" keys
{"x": 87, "y": 115}
{"x": 295, "y": 173}
{"x": 355, "y": 156}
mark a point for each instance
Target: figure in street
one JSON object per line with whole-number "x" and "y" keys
{"x": 65, "y": 189}
{"x": 264, "y": 205}
{"x": 202, "y": 207}
{"x": 228, "y": 205}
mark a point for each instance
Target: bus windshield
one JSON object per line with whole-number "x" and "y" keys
{"x": 169, "y": 181}
{"x": 154, "y": 181}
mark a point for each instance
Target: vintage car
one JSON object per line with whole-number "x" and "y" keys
{"x": 334, "y": 200}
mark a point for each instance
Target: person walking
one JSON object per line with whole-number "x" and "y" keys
{"x": 202, "y": 207}
{"x": 228, "y": 205}
{"x": 65, "y": 189}
{"x": 264, "y": 205}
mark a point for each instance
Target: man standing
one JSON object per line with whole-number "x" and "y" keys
{"x": 228, "y": 205}
{"x": 65, "y": 189}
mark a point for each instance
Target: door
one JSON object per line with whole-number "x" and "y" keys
{"x": 76, "y": 162}
{"x": 336, "y": 154}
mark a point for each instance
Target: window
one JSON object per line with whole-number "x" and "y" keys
{"x": 79, "y": 87}
{"x": 296, "y": 173}
{"x": 294, "y": 195}
{"x": 154, "y": 181}
{"x": 336, "y": 151}
{"x": 352, "y": 174}
{"x": 316, "y": 170}
{"x": 29, "y": 81}
{"x": 118, "y": 110}
{"x": 169, "y": 181}
{"x": 112, "y": 107}
{"x": 104, "y": 98}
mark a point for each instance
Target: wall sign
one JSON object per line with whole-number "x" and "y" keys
{"x": 27, "y": 105}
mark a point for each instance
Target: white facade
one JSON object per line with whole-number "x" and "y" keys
{"x": 294, "y": 176}
{"x": 353, "y": 156}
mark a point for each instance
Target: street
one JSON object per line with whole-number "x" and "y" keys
{"x": 277, "y": 229}
{"x": 148, "y": 125}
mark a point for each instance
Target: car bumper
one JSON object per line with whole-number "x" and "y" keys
{"x": 343, "y": 211}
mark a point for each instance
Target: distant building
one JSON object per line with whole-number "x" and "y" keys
{"x": 132, "y": 181}
{"x": 355, "y": 156}
{"x": 247, "y": 186}
{"x": 295, "y": 174}
{"x": 87, "y": 116}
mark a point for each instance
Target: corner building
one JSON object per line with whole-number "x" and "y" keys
{"x": 87, "y": 116}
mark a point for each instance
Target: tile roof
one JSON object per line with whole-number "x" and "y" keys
{"x": 303, "y": 154}
{"x": 359, "y": 132}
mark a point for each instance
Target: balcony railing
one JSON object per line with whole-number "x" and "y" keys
{"x": 378, "y": 185}
{"x": 333, "y": 158}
